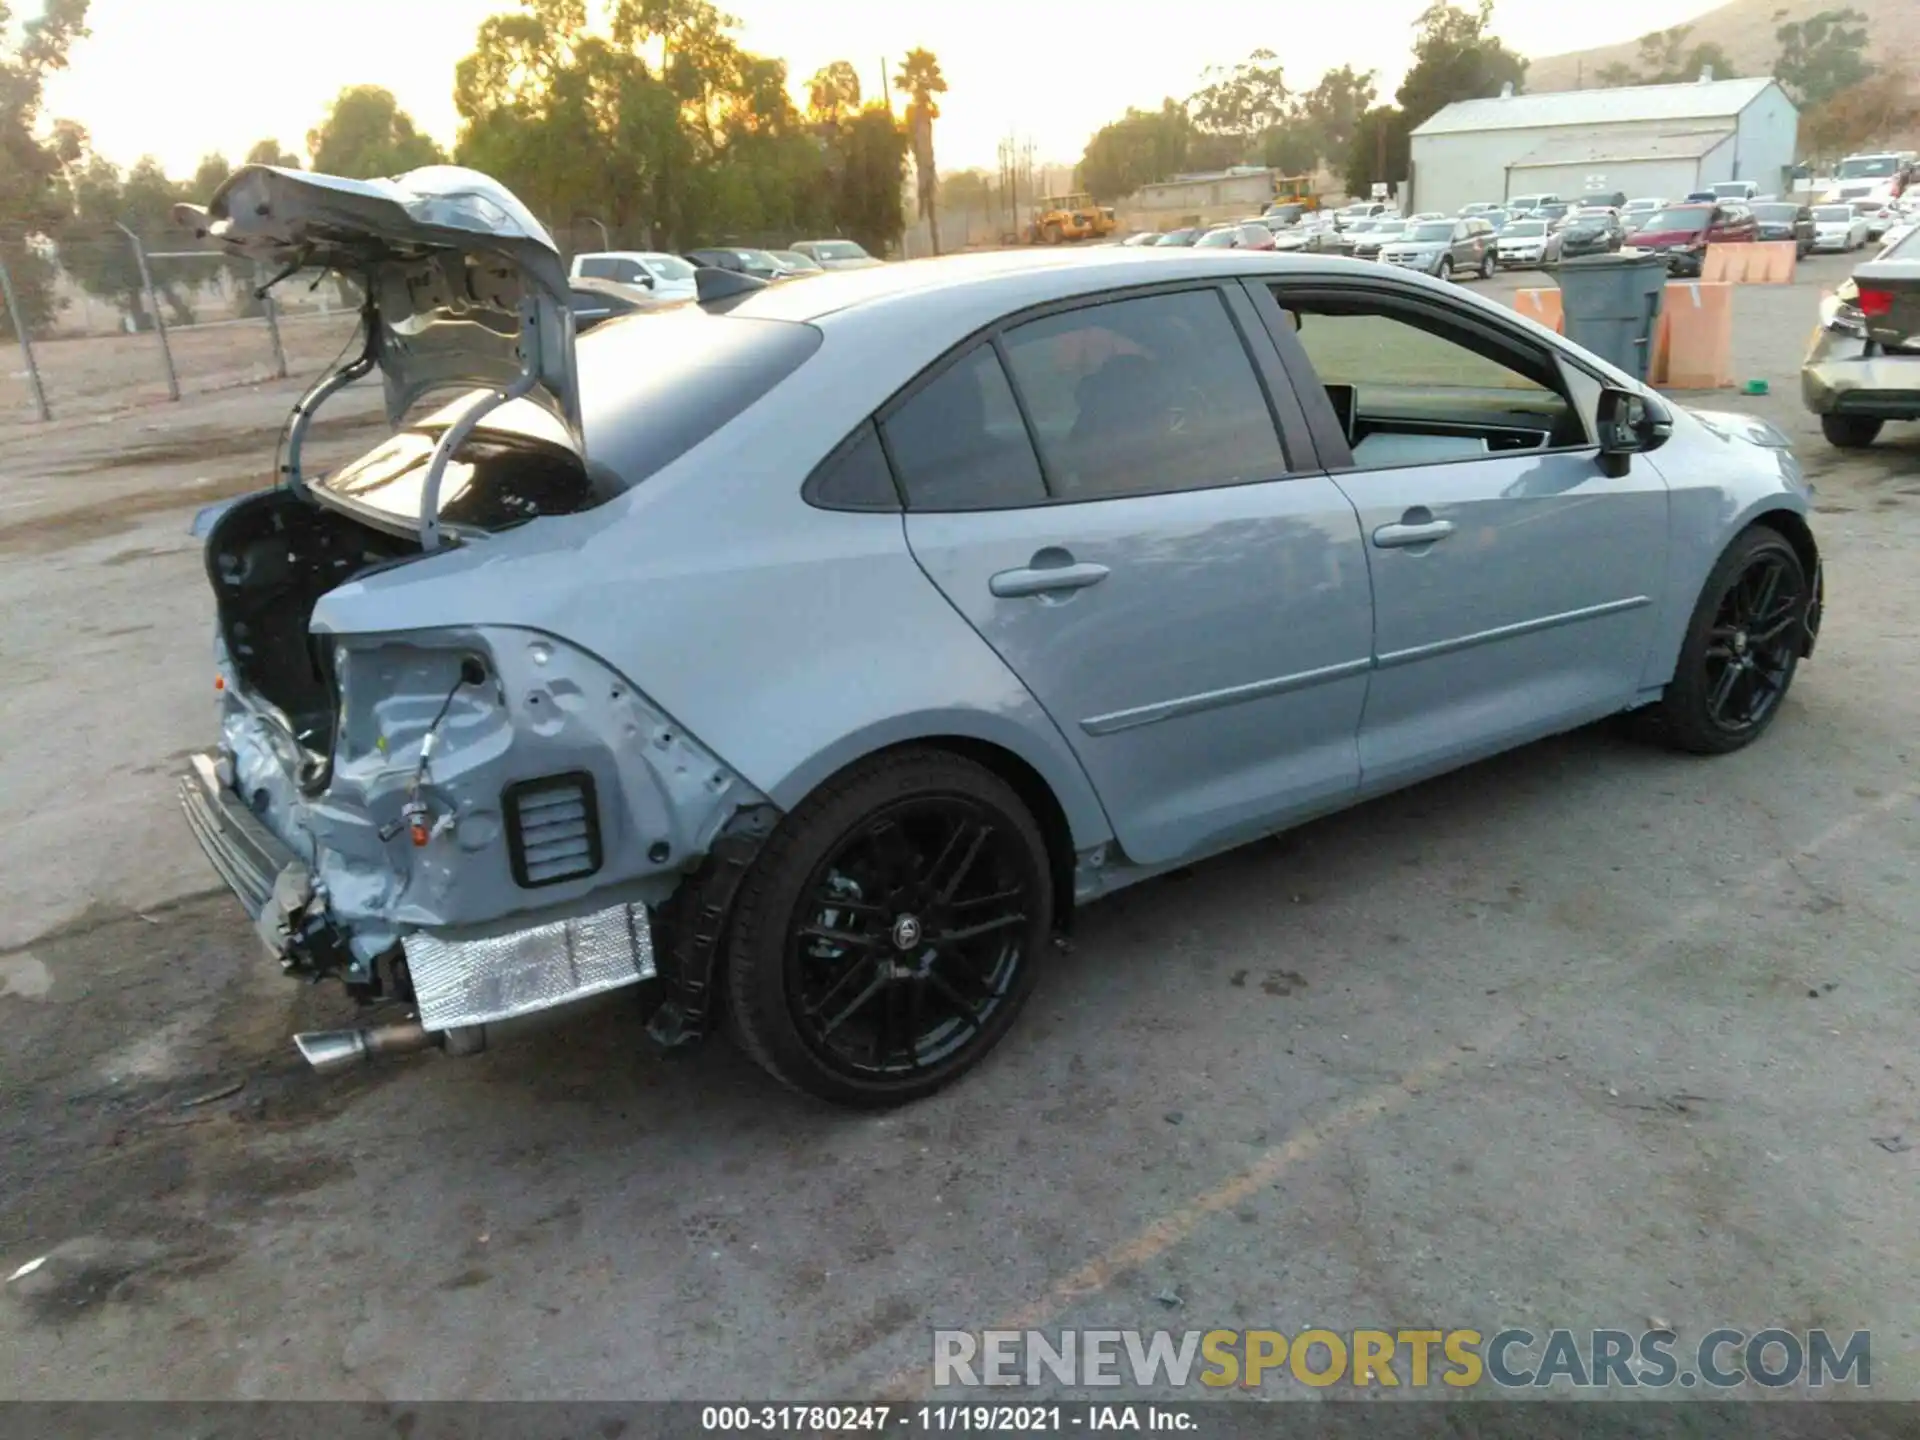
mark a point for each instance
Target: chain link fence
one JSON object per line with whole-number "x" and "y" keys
{"x": 107, "y": 319}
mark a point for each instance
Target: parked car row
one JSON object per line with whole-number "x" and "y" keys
{"x": 610, "y": 283}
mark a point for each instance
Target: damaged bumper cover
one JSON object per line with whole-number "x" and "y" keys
{"x": 502, "y": 820}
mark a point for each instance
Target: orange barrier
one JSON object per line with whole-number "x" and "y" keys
{"x": 1542, "y": 306}
{"x": 1763, "y": 262}
{"x": 1693, "y": 343}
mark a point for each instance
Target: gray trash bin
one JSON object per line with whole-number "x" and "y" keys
{"x": 1611, "y": 304}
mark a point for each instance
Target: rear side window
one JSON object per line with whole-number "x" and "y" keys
{"x": 958, "y": 443}
{"x": 855, "y": 476}
{"x": 597, "y": 268}
{"x": 1144, "y": 395}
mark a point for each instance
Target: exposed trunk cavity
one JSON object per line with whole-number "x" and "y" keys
{"x": 270, "y": 558}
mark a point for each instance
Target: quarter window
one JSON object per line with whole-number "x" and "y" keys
{"x": 855, "y": 476}
{"x": 958, "y": 443}
{"x": 1143, "y": 395}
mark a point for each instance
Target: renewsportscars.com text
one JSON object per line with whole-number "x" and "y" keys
{"x": 1414, "y": 1358}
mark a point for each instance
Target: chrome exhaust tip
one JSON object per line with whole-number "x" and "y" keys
{"x": 330, "y": 1052}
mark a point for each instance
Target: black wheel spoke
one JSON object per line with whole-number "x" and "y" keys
{"x": 966, "y": 1007}
{"x": 1769, "y": 583}
{"x": 956, "y": 862}
{"x": 857, "y": 1004}
{"x": 999, "y": 897}
{"x": 978, "y": 928}
{"x": 851, "y": 938}
{"x": 1723, "y": 691}
{"x": 850, "y": 971}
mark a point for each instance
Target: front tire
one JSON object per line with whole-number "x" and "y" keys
{"x": 1444, "y": 270}
{"x": 1741, "y": 650}
{"x": 1850, "y": 432}
{"x": 890, "y": 930}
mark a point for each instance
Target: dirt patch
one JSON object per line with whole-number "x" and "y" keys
{"x": 156, "y": 1107}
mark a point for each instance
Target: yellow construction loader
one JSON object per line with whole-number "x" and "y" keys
{"x": 1060, "y": 218}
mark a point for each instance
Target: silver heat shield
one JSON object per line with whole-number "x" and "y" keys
{"x": 473, "y": 982}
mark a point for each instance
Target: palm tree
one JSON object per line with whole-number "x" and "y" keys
{"x": 919, "y": 79}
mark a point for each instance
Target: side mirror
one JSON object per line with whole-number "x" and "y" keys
{"x": 1629, "y": 424}
{"x": 646, "y": 279}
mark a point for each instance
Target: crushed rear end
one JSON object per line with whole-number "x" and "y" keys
{"x": 473, "y": 818}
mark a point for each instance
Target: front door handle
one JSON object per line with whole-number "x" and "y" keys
{"x": 1415, "y": 528}
{"x": 1045, "y": 579}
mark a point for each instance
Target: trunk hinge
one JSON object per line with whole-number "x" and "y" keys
{"x": 325, "y": 388}
{"x": 457, "y": 433}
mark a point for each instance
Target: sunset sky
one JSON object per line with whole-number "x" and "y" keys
{"x": 179, "y": 78}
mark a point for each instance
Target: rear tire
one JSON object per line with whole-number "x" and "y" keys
{"x": 1741, "y": 651}
{"x": 1444, "y": 271}
{"x": 1850, "y": 432}
{"x": 1486, "y": 266}
{"x": 890, "y": 930}
{"x": 1053, "y": 234}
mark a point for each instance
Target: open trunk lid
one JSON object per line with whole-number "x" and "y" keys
{"x": 465, "y": 289}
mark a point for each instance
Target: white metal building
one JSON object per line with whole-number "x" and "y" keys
{"x": 1658, "y": 140}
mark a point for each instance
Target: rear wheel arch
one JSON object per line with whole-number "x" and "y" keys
{"x": 1048, "y": 779}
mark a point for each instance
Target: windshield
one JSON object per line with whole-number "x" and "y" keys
{"x": 1833, "y": 214}
{"x": 647, "y": 397}
{"x": 669, "y": 267}
{"x": 1176, "y": 237}
{"x": 1686, "y": 221}
{"x": 1217, "y": 240}
{"x": 838, "y": 250}
{"x": 1866, "y": 167}
{"x": 1430, "y": 234}
{"x": 1734, "y": 187}
{"x": 1643, "y": 205}
{"x": 1524, "y": 228}
{"x": 1389, "y": 232}
{"x": 1778, "y": 214}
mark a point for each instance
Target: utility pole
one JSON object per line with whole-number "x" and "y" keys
{"x": 886, "y": 85}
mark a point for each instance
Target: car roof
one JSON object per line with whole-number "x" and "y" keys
{"x": 959, "y": 294}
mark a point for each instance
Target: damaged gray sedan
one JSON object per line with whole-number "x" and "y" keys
{"x": 812, "y": 651}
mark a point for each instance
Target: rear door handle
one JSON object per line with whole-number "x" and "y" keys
{"x": 1045, "y": 579}
{"x": 1424, "y": 532}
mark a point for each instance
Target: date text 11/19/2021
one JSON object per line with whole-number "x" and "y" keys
{"x": 941, "y": 1419}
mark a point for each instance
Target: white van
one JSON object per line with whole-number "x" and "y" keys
{"x": 667, "y": 276}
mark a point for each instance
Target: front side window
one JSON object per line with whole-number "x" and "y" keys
{"x": 958, "y": 442}
{"x": 1409, "y": 389}
{"x": 1149, "y": 394}
{"x": 597, "y": 267}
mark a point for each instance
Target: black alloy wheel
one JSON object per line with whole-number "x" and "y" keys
{"x": 891, "y": 930}
{"x": 1742, "y": 648}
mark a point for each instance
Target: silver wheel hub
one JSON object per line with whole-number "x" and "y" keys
{"x": 907, "y": 932}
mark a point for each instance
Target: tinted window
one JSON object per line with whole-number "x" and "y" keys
{"x": 630, "y": 271}
{"x": 855, "y": 476}
{"x": 959, "y": 444}
{"x": 1144, "y": 395}
{"x": 595, "y": 267}
{"x": 1777, "y": 214}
